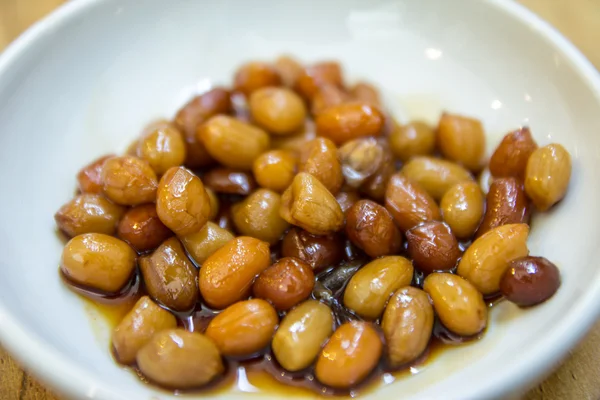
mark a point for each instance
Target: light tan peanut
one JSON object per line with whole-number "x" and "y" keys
{"x": 129, "y": 181}
{"x": 275, "y": 169}
{"x": 255, "y": 75}
{"x": 547, "y": 175}
{"x": 416, "y": 138}
{"x": 457, "y": 303}
{"x": 277, "y": 110}
{"x": 462, "y": 140}
{"x": 179, "y": 359}
{"x": 309, "y": 205}
{"x": 137, "y": 328}
{"x": 258, "y": 216}
{"x": 462, "y": 208}
{"x": 301, "y": 334}
{"x": 88, "y": 213}
{"x": 435, "y": 175}
{"x": 243, "y": 328}
{"x": 320, "y": 159}
{"x": 204, "y": 243}
{"x": 407, "y": 325}
{"x": 288, "y": 69}
{"x": 163, "y": 148}
{"x": 372, "y": 285}
{"x": 360, "y": 159}
{"x": 485, "y": 261}
{"x": 233, "y": 143}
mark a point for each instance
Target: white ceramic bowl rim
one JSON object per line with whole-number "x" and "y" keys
{"x": 54, "y": 369}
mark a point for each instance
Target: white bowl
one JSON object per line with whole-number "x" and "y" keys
{"x": 85, "y": 80}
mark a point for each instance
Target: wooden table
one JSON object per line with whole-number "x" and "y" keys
{"x": 576, "y": 378}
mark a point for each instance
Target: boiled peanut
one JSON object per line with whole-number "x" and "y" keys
{"x": 351, "y": 353}
{"x": 142, "y": 229}
{"x": 275, "y": 169}
{"x": 376, "y": 185}
{"x": 89, "y": 178}
{"x": 288, "y": 69}
{"x": 433, "y": 247}
{"x": 88, "y": 213}
{"x": 170, "y": 277}
{"x": 457, "y": 303}
{"x": 162, "y": 148}
{"x": 277, "y": 110}
{"x": 255, "y": 75}
{"x": 258, "y": 216}
{"x": 407, "y": 325}
{"x": 227, "y": 275}
{"x": 98, "y": 261}
{"x": 308, "y": 204}
{"x": 488, "y": 257}
{"x": 408, "y": 203}
{"x": 416, "y": 138}
{"x": 348, "y": 121}
{"x": 372, "y": 285}
{"x": 315, "y": 76}
{"x": 285, "y": 283}
{"x": 179, "y": 359}
{"x": 547, "y": 175}
{"x": 435, "y": 175}
{"x": 182, "y": 203}
{"x": 360, "y": 159}
{"x": 462, "y": 140}
{"x": 243, "y": 328}
{"x": 129, "y": 181}
{"x": 506, "y": 203}
{"x": 529, "y": 281}
{"x": 233, "y": 143}
{"x": 319, "y": 252}
{"x": 229, "y": 181}
{"x": 511, "y": 156}
{"x": 206, "y": 241}
{"x": 327, "y": 96}
{"x": 320, "y": 159}
{"x": 462, "y": 208}
{"x": 301, "y": 334}
{"x": 137, "y": 328}
{"x": 371, "y": 227}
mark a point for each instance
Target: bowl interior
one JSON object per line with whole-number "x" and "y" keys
{"x": 89, "y": 78}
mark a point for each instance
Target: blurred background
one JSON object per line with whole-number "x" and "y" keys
{"x": 576, "y": 378}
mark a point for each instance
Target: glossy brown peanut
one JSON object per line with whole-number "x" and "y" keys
{"x": 488, "y": 257}
{"x": 288, "y": 69}
{"x": 255, "y": 75}
{"x": 243, "y": 328}
{"x": 346, "y": 199}
{"x": 350, "y": 355}
{"x": 371, "y": 227}
{"x": 206, "y": 241}
{"x": 327, "y": 96}
{"x": 308, "y": 204}
{"x": 182, "y": 203}
{"x": 375, "y": 186}
{"x": 214, "y": 203}
{"x": 511, "y": 155}
{"x": 547, "y": 175}
{"x": 129, "y": 181}
{"x": 348, "y": 121}
{"x": 319, "y": 252}
{"x": 505, "y": 203}
{"x": 227, "y": 274}
{"x": 317, "y": 75}
{"x": 301, "y": 334}
{"x": 457, "y": 303}
{"x": 365, "y": 92}
{"x": 285, "y": 283}
{"x": 233, "y": 143}
{"x": 277, "y": 110}
{"x": 137, "y": 328}
{"x": 462, "y": 140}
{"x": 229, "y": 181}
{"x": 320, "y": 159}
{"x": 178, "y": 359}
{"x": 142, "y": 229}
{"x": 435, "y": 175}
{"x": 275, "y": 169}
{"x": 88, "y": 213}
{"x": 372, "y": 285}
{"x": 297, "y": 141}
{"x": 407, "y": 325}
{"x": 89, "y": 178}
{"x": 162, "y": 148}
{"x": 258, "y": 216}
{"x": 529, "y": 281}
{"x": 408, "y": 203}
{"x": 417, "y": 138}
{"x": 462, "y": 208}
{"x": 360, "y": 159}
{"x": 98, "y": 261}
{"x": 195, "y": 112}
{"x": 170, "y": 277}
{"x": 433, "y": 247}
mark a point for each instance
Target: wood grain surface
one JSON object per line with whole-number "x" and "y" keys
{"x": 576, "y": 378}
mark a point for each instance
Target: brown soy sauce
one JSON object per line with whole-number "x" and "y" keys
{"x": 261, "y": 371}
